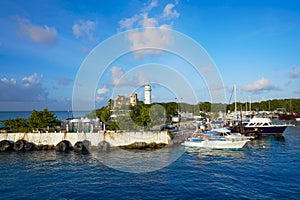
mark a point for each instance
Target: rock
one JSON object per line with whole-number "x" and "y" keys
{"x": 104, "y": 146}
{"x": 86, "y": 143}
{"x": 136, "y": 145}
{"x": 81, "y": 147}
{"x": 64, "y": 146}
{"x": 48, "y": 147}
{"x": 152, "y": 145}
{"x": 6, "y": 145}
{"x": 19, "y": 145}
{"x": 28, "y": 146}
{"x": 144, "y": 145}
{"x": 38, "y": 147}
{"x": 160, "y": 145}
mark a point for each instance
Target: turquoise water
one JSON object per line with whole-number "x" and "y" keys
{"x": 266, "y": 169}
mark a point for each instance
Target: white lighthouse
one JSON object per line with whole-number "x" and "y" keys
{"x": 147, "y": 93}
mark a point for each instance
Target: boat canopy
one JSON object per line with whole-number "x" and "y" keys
{"x": 259, "y": 122}
{"x": 218, "y": 131}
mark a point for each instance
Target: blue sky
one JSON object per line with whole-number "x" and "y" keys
{"x": 43, "y": 45}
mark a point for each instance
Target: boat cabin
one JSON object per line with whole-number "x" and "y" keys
{"x": 259, "y": 122}
{"x": 219, "y": 132}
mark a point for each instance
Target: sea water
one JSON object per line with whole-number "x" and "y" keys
{"x": 266, "y": 169}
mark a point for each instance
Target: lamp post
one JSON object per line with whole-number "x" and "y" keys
{"x": 178, "y": 119}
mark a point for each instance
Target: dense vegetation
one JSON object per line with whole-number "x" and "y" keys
{"x": 137, "y": 117}
{"x": 289, "y": 105}
{"x": 146, "y": 116}
{"x": 41, "y": 120}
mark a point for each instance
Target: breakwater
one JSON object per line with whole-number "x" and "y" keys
{"x": 82, "y": 141}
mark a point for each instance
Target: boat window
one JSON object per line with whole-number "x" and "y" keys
{"x": 265, "y": 124}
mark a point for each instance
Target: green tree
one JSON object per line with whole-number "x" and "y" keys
{"x": 110, "y": 103}
{"x": 17, "y": 124}
{"x": 113, "y": 126}
{"x": 43, "y": 120}
{"x": 205, "y": 106}
{"x": 140, "y": 114}
{"x": 38, "y": 119}
{"x": 157, "y": 114}
{"x": 125, "y": 123}
{"x": 105, "y": 114}
{"x": 145, "y": 119}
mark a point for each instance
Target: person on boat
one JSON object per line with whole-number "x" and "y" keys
{"x": 202, "y": 136}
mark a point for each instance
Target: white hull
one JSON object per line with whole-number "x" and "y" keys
{"x": 216, "y": 144}
{"x": 297, "y": 119}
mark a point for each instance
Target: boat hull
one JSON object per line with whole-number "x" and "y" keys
{"x": 217, "y": 144}
{"x": 288, "y": 116}
{"x": 267, "y": 130}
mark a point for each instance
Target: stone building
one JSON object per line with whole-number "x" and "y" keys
{"x": 121, "y": 101}
{"x": 133, "y": 99}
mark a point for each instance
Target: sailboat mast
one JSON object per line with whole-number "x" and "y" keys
{"x": 234, "y": 89}
{"x": 249, "y": 103}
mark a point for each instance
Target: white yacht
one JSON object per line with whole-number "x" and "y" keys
{"x": 217, "y": 139}
{"x": 264, "y": 126}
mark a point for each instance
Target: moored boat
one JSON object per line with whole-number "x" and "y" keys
{"x": 264, "y": 126}
{"x": 217, "y": 139}
{"x": 290, "y": 116}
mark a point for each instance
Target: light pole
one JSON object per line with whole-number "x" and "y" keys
{"x": 178, "y": 119}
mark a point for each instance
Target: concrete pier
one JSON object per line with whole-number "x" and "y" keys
{"x": 114, "y": 139}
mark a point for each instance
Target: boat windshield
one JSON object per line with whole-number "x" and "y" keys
{"x": 218, "y": 132}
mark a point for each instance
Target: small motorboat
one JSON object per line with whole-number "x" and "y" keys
{"x": 217, "y": 139}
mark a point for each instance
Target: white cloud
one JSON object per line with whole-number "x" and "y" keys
{"x": 33, "y": 79}
{"x": 37, "y": 34}
{"x": 100, "y": 99}
{"x": 119, "y": 78}
{"x": 259, "y": 85}
{"x": 157, "y": 37}
{"x": 6, "y": 81}
{"x": 102, "y": 91}
{"x": 100, "y": 96}
{"x": 295, "y": 74}
{"x": 28, "y": 89}
{"x": 153, "y": 4}
{"x": 116, "y": 74}
{"x": 169, "y": 12}
{"x": 120, "y": 81}
{"x": 64, "y": 81}
{"x": 84, "y": 28}
{"x": 128, "y": 23}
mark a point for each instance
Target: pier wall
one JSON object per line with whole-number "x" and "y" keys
{"x": 113, "y": 138}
